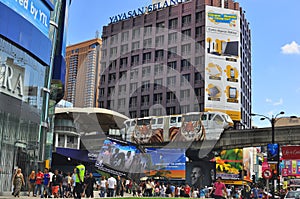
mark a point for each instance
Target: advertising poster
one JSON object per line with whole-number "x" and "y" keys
{"x": 222, "y": 61}
{"x": 169, "y": 163}
{"x": 292, "y": 167}
{"x": 122, "y": 159}
{"x": 200, "y": 173}
{"x": 248, "y": 154}
{"x": 229, "y": 164}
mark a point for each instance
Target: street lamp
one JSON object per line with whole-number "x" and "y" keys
{"x": 273, "y": 120}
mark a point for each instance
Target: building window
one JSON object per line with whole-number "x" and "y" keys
{"x": 158, "y": 84}
{"x": 159, "y": 41}
{"x": 113, "y": 52}
{"x": 147, "y": 43}
{"x": 135, "y": 60}
{"x": 186, "y": 20}
{"x": 145, "y": 86}
{"x": 146, "y": 57}
{"x": 199, "y": 61}
{"x": 122, "y": 90}
{"x": 186, "y": 34}
{"x": 198, "y": 92}
{"x": 135, "y": 46}
{"x": 160, "y": 27}
{"x": 124, "y": 49}
{"x": 123, "y": 62}
{"x": 173, "y": 23}
{"x": 133, "y": 102}
{"x": 124, "y": 36}
{"x": 136, "y": 33}
{"x": 184, "y": 95}
{"x": 121, "y": 103}
{"x": 134, "y": 73}
{"x": 111, "y": 78}
{"x": 123, "y": 76}
{"x": 145, "y": 100}
{"x": 110, "y": 91}
{"x": 158, "y": 98}
{"x": 198, "y": 77}
{"x": 185, "y": 108}
{"x": 199, "y": 31}
{"x": 186, "y": 49}
{"x": 185, "y": 65}
{"x": 133, "y": 87}
{"x": 199, "y": 16}
{"x": 171, "y": 81}
{"x": 159, "y": 55}
{"x": 113, "y": 39}
{"x": 172, "y": 38}
{"x": 157, "y": 111}
{"x": 158, "y": 69}
{"x": 171, "y": 110}
{"x": 147, "y": 30}
{"x": 172, "y": 66}
{"x": 133, "y": 114}
{"x": 172, "y": 52}
{"x": 185, "y": 79}
{"x": 146, "y": 71}
{"x": 145, "y": 113}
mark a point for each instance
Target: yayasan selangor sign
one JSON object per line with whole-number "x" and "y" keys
{"x": 145, "y": 9}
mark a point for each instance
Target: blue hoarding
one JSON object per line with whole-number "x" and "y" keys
{"x": 34, "y": 11}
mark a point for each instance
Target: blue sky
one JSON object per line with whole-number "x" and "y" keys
{"x": 275, "y": 31}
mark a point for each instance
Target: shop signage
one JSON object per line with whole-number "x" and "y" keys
{"x": 143, "y": 10}
{"x": 290, "y": 152}
{"x": 12, "y": 79}
{"x": 34, "y": 11}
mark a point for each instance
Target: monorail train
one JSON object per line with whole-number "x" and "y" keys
{"x": 193, "y": 126}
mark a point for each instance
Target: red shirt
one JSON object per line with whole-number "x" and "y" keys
{"x": 219, "y": 187}
{"x": 39, "y": 178}
{"x": 187, "y": 190}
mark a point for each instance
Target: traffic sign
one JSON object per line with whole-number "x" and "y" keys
{"x": 267, "y": 174}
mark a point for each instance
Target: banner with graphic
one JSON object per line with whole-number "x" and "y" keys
{"x": 222, "y": 61}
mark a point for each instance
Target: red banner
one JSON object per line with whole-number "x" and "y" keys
{"x": 290, "y": 152}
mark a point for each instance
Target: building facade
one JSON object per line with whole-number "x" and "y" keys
{"x": 25, "y": 50}
{"x": 83, "y": 69}
{"x": 177, "y": 57}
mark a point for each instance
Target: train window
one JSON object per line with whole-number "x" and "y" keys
{"x": 218, "y": 119}
{"x": 204, "y": 117}
{"x": 179, "y": 119}
{"x": 143, "y": 122}
{"x": 133, "y": 123}
{"x": 159, "y": 120}
{"x": 153, "y": 121}
{"x": 189, "y": 118}
{"x": 173, "y": 120}
{"x": 210, "y": 116}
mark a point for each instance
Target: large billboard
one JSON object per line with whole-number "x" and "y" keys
{"x": 222, "y": 61}
{"x": 169, "y": 163}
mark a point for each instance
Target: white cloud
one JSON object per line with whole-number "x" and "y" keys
{"x": 292, "y": 48}
{"x": 268, "y": 100}
{"x": 274, "y": 103}
{"x": 280, "y": 102}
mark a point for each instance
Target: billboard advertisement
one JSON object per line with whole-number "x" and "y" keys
{"x": 169, "y": 163}
{"x": 200, "y": 173}
{"x": 222, "y": 61}
{"x": 229, "y": 164}
{"x": 292, "y": 167}
{"x": 122, "y": 159}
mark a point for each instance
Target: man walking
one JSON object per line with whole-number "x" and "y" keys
{"x": 80, "y": 171}
{"x": 112, "y": 184}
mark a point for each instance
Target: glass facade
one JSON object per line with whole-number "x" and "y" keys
{"x": 22, "y": 80}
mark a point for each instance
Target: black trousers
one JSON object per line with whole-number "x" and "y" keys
{"x": 78, "y": 190}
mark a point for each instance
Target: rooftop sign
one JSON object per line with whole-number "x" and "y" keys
{"x": 145, "y": 9}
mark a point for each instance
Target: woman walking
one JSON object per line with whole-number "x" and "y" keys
{"x": 31, "y": 182}
{"x": 18, "y": 181}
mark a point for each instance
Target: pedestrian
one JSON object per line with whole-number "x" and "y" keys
{"x": 31, "y": 183}
{"x": 103, "y": 185}
{"x": 56, "y": 183}
{"x": 89, "y": 184}
{"x": 46, "y": 184}
{"x": 219, "y": 189}
{"x": 112, "y": 184}
{"x": 80, "y": 171}
{"x": 38, "y": 183}
{"x": 18, "y": 182}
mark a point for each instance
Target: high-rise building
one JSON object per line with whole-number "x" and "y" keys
{"x": 82, "y": 76}
{"x": 177, "y": 57}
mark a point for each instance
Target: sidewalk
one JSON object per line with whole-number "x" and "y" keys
{"x": 23, "y": 195}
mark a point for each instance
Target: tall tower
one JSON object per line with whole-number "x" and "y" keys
{"x": 184, "y": 56}
{"x": 82, "y": 76}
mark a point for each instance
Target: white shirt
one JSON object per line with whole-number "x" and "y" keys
{"x": 103, "y": 183}
{"x": 112, "y": 182}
